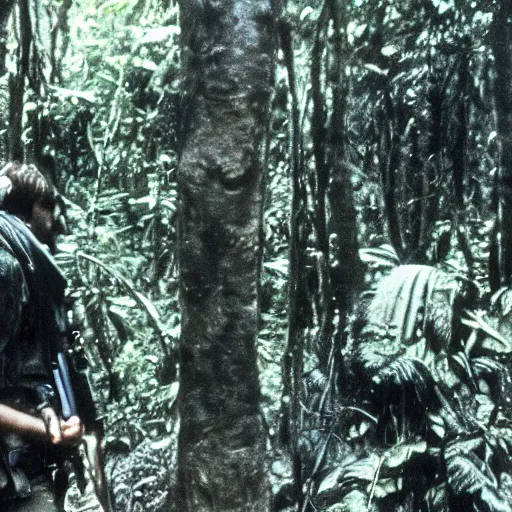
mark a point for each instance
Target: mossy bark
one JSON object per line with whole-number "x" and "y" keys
{"x": 228, "y": 50}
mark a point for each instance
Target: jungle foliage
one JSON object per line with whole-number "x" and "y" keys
{"x": 385, "y": 329}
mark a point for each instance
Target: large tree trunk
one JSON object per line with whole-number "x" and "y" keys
{"x": 228, "y": 59}
{"x": 502, "y": 42}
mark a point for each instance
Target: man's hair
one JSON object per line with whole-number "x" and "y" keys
{"x": 22, "y": 186}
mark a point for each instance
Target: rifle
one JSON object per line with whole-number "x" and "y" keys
{"x": 64, "y": 377}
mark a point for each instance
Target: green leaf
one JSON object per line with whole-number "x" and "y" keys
{"x": 123, "y": 301}
{"x": 72, "y": 93}
{"x": 158, "y": 34}
{"x": 144, "y": 64}
{"x": 305, "y": 12}
{"x": 436, "y": 499}
{"x": 349, "y": 472}
{"x": 436, "y": 424}
{"x": 386, "y": 486}
{"x": 280, "y": 265}
{"x": 149, "y": 306}
{"x": 400, "y": 454}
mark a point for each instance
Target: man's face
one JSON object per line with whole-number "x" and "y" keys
{"x": 46, "y": 223}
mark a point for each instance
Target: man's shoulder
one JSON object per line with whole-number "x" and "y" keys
{"x": 10, "y": 267}
{"x": 15, "y": 236}
{"x": 10, "y": 221}
{"x": 13, "y": 285}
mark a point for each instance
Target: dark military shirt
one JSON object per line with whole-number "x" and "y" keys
{"x": 32, "y": 332}
{"x": 32, "y": 324}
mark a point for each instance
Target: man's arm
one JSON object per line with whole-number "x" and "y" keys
{"x": 47, "y": 428}
{"x": 12, "y": 420}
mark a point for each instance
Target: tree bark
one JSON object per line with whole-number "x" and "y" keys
{"x": 319, "y": 134}
{"x": 459, "y": 158}
{"x": 390, "y": 165}
{"x": 228, "y": 49}
{"x": 502, "y": 47}
{"x": 347, "y": 277}
{"x": 419, "y": 186}
{"x": 293, "y": 360}
{"x": 5, "y": 14}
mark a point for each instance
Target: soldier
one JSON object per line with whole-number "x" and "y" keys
{"x": 32, "y": 333}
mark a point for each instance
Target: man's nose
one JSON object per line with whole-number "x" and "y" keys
{"x": 61, "y": 227}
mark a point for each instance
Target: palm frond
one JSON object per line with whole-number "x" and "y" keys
{"x": 410, "y": 381}
{"x": 400, "y": 298}
{"x": 472, "y": 482}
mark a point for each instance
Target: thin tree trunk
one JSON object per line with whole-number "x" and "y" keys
{"x": 16, "y": 94}
{"x": 390, "y": 155}
{"x": 5, "y": 14}
{"x": 228, "y": 62}
{"x": 433, "y": 164}
{"x": 347, "y": 273}
{"x": 459, "y": 156}
{"x": 61, "y": 26}
{"x": 17, "y": 85}
{"x": 323, "y": 172}
{"x": 502, "y": 46}
{"x": 293, "y": 357}
{"x": 419, "y": 187}
{"x": 319, "y": 135}
{"x": 459, "y": 148}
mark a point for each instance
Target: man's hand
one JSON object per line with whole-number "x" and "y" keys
{"x": 62, "y": 431}
{"x": 71, "y": 430}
